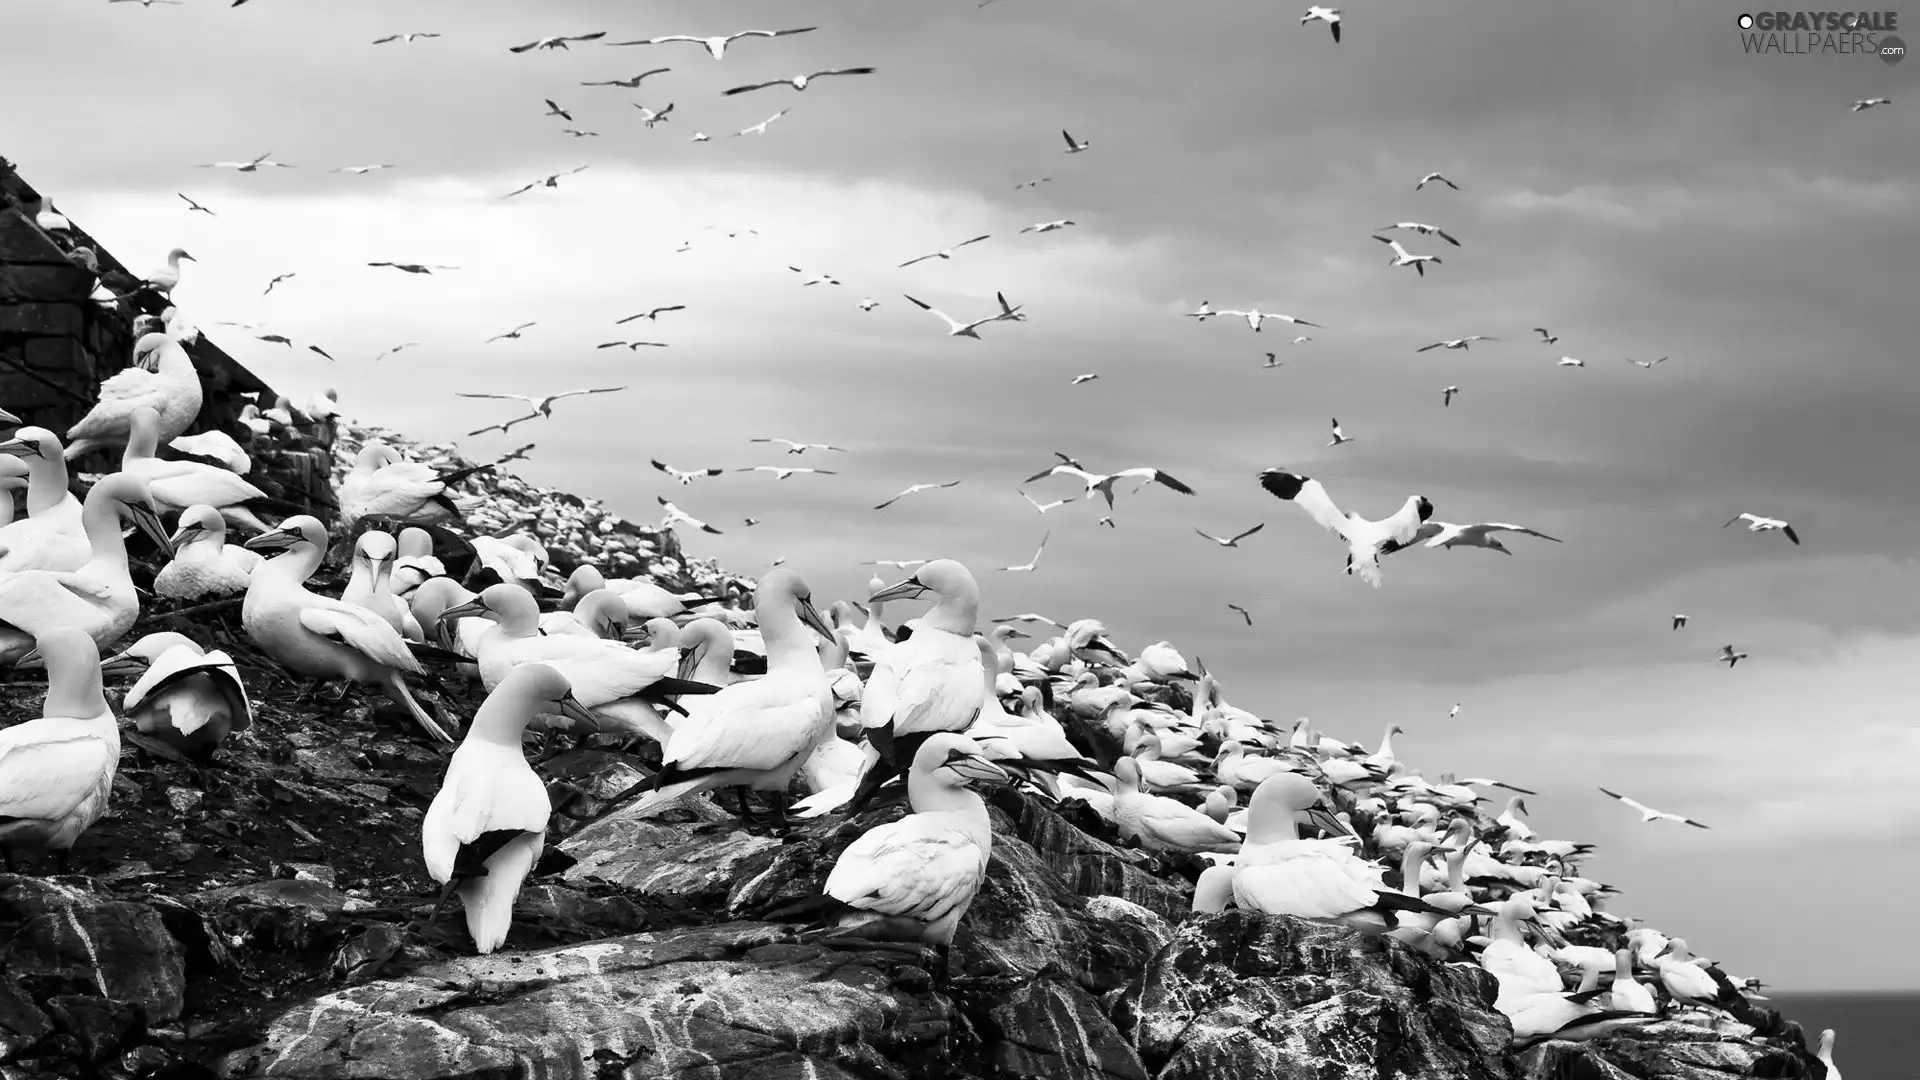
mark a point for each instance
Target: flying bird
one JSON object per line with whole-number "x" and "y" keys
{"x": 674, "y": 516}
{"x": 1423, "y": 229}
{"x": 759, "y": 128}
{"x": 404, "y": 39}
{"x": 550, "y": 181}
{"x": 1569, "y": 361}
{"x": 148, "y": 3}
{"x": 956, "y": 328}
{"x": 1546, "y": 338}
{"x": 1446, "y": 395}
{"x": 802, "y": 447}
{"x": 359, "y": 170}
{"x": 1646, "y": 363}
{"x": 1431, "y": 177}
{"x": 1047, "y": 226}
{"x": 319, "y": 350}
{"x": 513, "y": 333}
{"x": 578, "y": 134}
{"x": 1205, "y": 312}
{"x": 914, "y": 490}
{"x": 396, "y": 348}
{"x": 630, "y": 84}
{"x": 1453, "y": 712}
{"x": 192, "y": 206}
{"x": 1028, "y": 617}
{"x": 1009, "y": 313}
{"x": 1756, "y": 523}
{"x": 1729, "y": 657}
{"x": 684, "y": 477}
{"x": 1679, "y": 621}
{"x": 1088, "y": 377}
{"x": 1035, "y": 182}
{"x": 649, "y": 117}
{"x": 1456, "y": 343}
{"x": 249, "y": 166}
{"x": 816, "y": 279}
{"x": 1102, "y": 483}
{"x": 869, "y": 304}
{"x": 899, "y": 564}
{"x": 1244, "y": 613}
{"x": 276, "y": 339}
{"x": 1338, "y": 435}
{"x": 557, "y": 42}
{"x": 946, "y": 253}
{"x": 1072, "y": 146}
{"x": 1255, "y": 317}
{"x": 1868, "y": 103}
{"x": 1648, "y": 813}
{"x": 1272, "y": 362}
{"x": 1300, "y": 340}
{"x": 1445, "y": 534}
{"x": 631, "y": 346}
{"x": 278, "y": 278}
{"x": 781, "y": 472}
{"x": 1402, "y": 258}
{"x": 651, "y": 314}
{"x": 716, "y": 46}
{"x": 414, "y": 268}
{"x": 1044, "y": 507}
{"x": 798, "y": 82}
{"x": 541, "y": 406}
{"x": 1234, "y": 540}
{"x": 1028, "y": 566}
{"x": 1330, "y": 16}
{"x": 1366, "y": 540}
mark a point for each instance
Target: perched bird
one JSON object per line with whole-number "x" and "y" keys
{"x": 1338, "y": 435}
{"x": 684, "y": 477}
{"x": 1446, "y": 395}
{"x": 1102, "y": 483}
{"x": 1826, "y": 1054}
{"x": 203, "y": 563}
{"x": 557, "y": 42}
{"x": 1729, "y": 657}
{"x": 944, "y": 253}
{"x": 186, "y": 697}
{"x": 485, "y": 829}
{"x": 1160, "y": 823}
{"x": 1330, "y": 16}
{"x": 1648, "y": 813}
{"x": 1445, "y": 534}
{"x": 383, "y": 484}
{"x": 171, "y": 387}
{"x": 1243, "y": 612}
{"x": 675, "y": 516}
{"x": 1074, "y": 147}
{"x": 1431, "y": 177}
{"x": 95, "y": 594}
{"x": 1456, "y": 343}
{"x": 1868, "y": 103}
{"x": 1234, "y": 540}
{"x": 798, "y": 82}
{"x": 56, "y": 772}
{"x": 1755, "y": 523}
{"x": 1679, "y": 621}
{"x": 178, "y": 484}
{"x": 1366, "y": 540}
{"x": 914, "y": 490}
{"x": 1402, "y": 258}
{"x": 716, "y": 46}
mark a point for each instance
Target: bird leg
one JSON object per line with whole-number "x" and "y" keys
{"x": 781, "y": 801}
{"x": 6, "y": 857}
{"x": 339, "y": 694}
{"x": 746, "y": 809}
{"x": 63, "y": 861}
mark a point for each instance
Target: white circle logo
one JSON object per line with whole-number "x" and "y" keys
{"x": 1746, "y": 22}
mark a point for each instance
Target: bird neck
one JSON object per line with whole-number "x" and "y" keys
{"x": 1410, "y": 864}
{"x": 786, "y": 640}
{"x": 1506, "y": 928}
{"x": 295, "y": 565}
{"x": 500, "y": 720}
{"x": 73, "y": 683}
{"x": 928, "y": 795}
{"x": 953, "y": 614}
{"x": 46, "y": 482}
{"x": 100, "y": 518}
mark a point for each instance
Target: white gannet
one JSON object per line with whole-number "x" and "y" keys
{"x": 1086, "y": 378}
{"x": 1686, "y": 980}
{"x": 599, "y": 614}
{"x": 1648, "y": 364}
{"x": 956, "y": 328}
{"x": 1338, "y": 435}
{"x": 715, "y": 45}
{"x": 56, "y": 772}
{"x": 423, "y": 268}
{"x": 1160, "y": 823}
{"x": 1826, "y": 1048}
{"x": 1570, "y": 361}
{"x": 1456, "y": 343}
{"x": 1628, "y": 993}
{"x": 799, "y": 447}
{"x": 1048, "y": 226}
{"x": 487, "y": 825}
{"x": 558, "y": 41}
{"x": 176, "y": 485}
{"x": 167, "y": 278}
{"x": 1255, "y": 317}
{"x": 1401, "y": 257}
{"x": 672, "y": 515}
{"x": 317, "y": 636}
{"x": 868, "y": 304}
{"x": 1234, "y": 540}
{"x": 684, "y": 477}
{"x": 1433, "y": 176}
{"x": 1520, "y": 972}
{"x": 1074, "y": 147}
{"x": 172, "y": 389}
{"x": 193, "y": 207}
{"x": 1755, "y": 523}
{"x": 49, "y": 537}
{"x": 757, "y": 733}
{"x": 1729, "y": 657}
{"x": 1331, "y": 16}
{"x": 1860, "y": 106}
{"x": 932, "y": 681}
{"x": 186, "y": 697}
{"x": 914, "y": 489}
{"x": 1102, "y": 483}
{"x": 215, "y": 445}
{"x": 1202, "y": 313}
{"x": 915, "y": 877}
{"x": 203, "y": 563}
{"x": 373, "y": 555}
{"x": 404, "y": 39}
{"x": 1281, "y": 874}
{"x": 1027, "y": 567}
{"x": 1433, "y": 230}
{"x": 944, "y": 253}
{"x": 1044, "y": 507}
{"x": 380, "y": 483}
{"x": 1446, "y": 395}
{"x": 98, "y": 596}
{"x": 761, "y": 129}
{"x": 1236, "y": 769}
{"x": 1648, "y": 813}
{"x": 798, "y": 82}
{"x": 781, "y": 473}
{"x": 1445, "y": 534}
{"x": 551, "y": 180}
{"x": 1366, "y": 540}
{"x": 538, "y": 407}
{"x": 248, "y": 166}
{"x": 1213, "y": 890}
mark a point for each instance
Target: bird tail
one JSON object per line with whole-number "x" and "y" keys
{"x": 1367, "y": 566}
{"x": 489, "y": 899}
{"x": 458, "y": 475}
{"x": 396, "y": 688}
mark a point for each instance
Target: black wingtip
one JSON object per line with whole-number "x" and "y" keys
{"x": 1282, "y": 484}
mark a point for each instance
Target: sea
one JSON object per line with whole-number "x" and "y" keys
{"x": 1876, "y": 1036}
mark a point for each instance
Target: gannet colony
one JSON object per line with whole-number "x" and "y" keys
{"x": 473, "y": 778}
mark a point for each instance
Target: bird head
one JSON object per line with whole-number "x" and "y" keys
{"x": 132, "y": 501}
{"x": 958, "y": 760}
{"x": 297, "y": 531}
{"x": 198, "y": 521}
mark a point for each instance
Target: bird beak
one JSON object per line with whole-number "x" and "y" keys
{"x": 185, "y": 533}
{"x": 472, "y": 609}
{"x": 690, "y": 659}
{"x": 1323, "y": 818}
{"x": 19, "y": 448}
{"x": 9, "y": 419}
{"x": 978, "y": 769}
{"x": 571, "y": 708}
{"x": 810, "y": 616}
{"x": 29, "y": 659}
{"x": 607, "y": 628}
{"x": 1014, "y": 631}
{"x": 1664, "y": 949}
{"x": 147, "y": 519}
{"x": 277, "y": 540}
{"x": 115, "y": 664}
{"x": 906, "y": 590}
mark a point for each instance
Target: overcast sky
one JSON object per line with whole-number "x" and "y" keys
{"x": 1628, "y": 179}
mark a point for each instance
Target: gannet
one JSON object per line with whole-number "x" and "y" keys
{"x": 167, "y": 278}
{"x": 1755, "y": 523}
{"x": 1272, "y": 362}
{"x": 651, "y": 314}
{"x": 1648, "y": 813}
{"x": 1679, "y": 621}
{"x": 799, "y": 447}
{"x": 643, "y": 598}
{"x": 373, "y": 555}
{"x": 1860, "y": 106}
{"x": 1074, "y": 147}
{"x": 631, "y": 83}
{"x": 1570, "y": 361}
{"x": 1087, "y": 378}
{"x": 97, "y": 596}
{"x": 1446, "y": 395}
{"x": 203, "y": 563}
{"x": 915, "y": 877}
{"x": 1243, "y": 613}
{"x": 1401, "y": 257}
{"x": 380, "y": 483}
{"x": 558, "y": 41}
{"x": 1431, "y": 177}
{"x": 757, "y": 733}
{"x": 56, "y": 772}
{"x": 914, "y": 489}
{"x": 1456, "y": 343}
{"x": 1331, "y": 16}
{"x": 1648, "y": 364}
{"x": 1338, "y": 435}
{"x": 814, "y": 279}
{"x": 1203, "y": 313}
{"x": 194, "y": 206}
{"x": 186, "y": 697}
{"x": 1044, "y": 507}
{"x": 1516, "y": 826}
{"x": 172, "y": 389}
{"x": 1686, "y": 980}
{"x": 780, "y": 473}
{"x": 929, "y": 683}
{"x": 177, "y": 485}
{"x": 1027, "y": 567}
{"x": 487, "y": 825}
{"x": 540, "y": 407}
{"x": 215, "y": 445}
{"x": 423, "y": 268}
{"x": 1445, "y": 534}
{"x": 1102, "y": 483}
{"x": 1826, "y": 1054}
{"x": 1520, "y": 972}
{"x": 944, "y": 253}
{"x": 650, "y": 117}
{"x": 599, "y": 614}
{"x": 1255, "y": 317}
{"x": 798, "y": 82}
{"x": 716, "y": 45}
{"x": 277, "y": 279}
{"x": 868, "y": 304}
{"x": 49, "y": 538}
{"x": 317, "y": 636}
{"x": 513, "y": 335}
{"x": 761, "y": 129}
{"x": 956, "y": 328}
{"x": 404, "y": 39}
{"x": 555, "y": 110}
{"x": 1366, "y": 540}
{"x": 1729, "y": 657}
{"x": 551, "y": 180}
{"x": 1160, "y": 823}
{"x": 1627, "y": 992}
{"x": 1236, "y": 769}
{"x": 248, "y": 166}
{"x": 673, "y": 515}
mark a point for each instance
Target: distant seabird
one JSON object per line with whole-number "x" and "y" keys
{"x": 1044, "y": 507}
{"x": 782, "y": 472}
{"x": 359, "y": 170}
{"x": 650, "y": 117}
{"x": 1446, "y": 395}
{"x": 630, "y": 84}
{"x": 1244, "y": 614}
{"x": 404, "y": 39}
{"x": 946, "y": 253}
{"x": 1204, "y": 312}
{"x": 815, "y": 279}
{"x": 1272, "y": 362}
{"x": 1423, "y": 229}
{"x": 1679, "y": 621}
{"x": 1729, "y": 657}
{"x": 759, "y": 128}
{"x": 1868, "y": 103}
{"x": 956, "y": 328}
{"x": 513, "y": 333}
{"x": 1445, "y": 534}
{"x": 578, "y": 134}
{"x": 798, "y": 82}
{"x": 249, "y": 166}
{"x": 914, "y": 490}
{"x": 1088, "y": 377}
{"x": 651, "y": 314}
{"x": 868, "y": 304}
{"x": 1338, "y": 435}
{"x": 277, "y": 279}
{"x": 1546, "y": 338}
{"x": 632, "y": 346}
{"x": 1402, "y": 258}
{"x": 1366, "y": 540}
{"x": 716, "y": 46}
{"x": 1035, "y": 182}
{"x": 1047, "y": 226}
{"x": 552, "y": 181}
{"x": 1569, "y": 361}
{"x": 557, "y": 42}
{"x": 799, "y": 447}
{"x": 675, "y": 516}
{"x": 1456, "y": 343}
{"x": 1756, "y": 523}
{"x": 192, "y": 206}
{"x": 414, "y": 268}
{"x": 1648, "y": 813}
{"x": 1255, "y": 317}
{"x": 1645, "y": 363}
{"x": 684, "y": 477}
{"x": 540, "y": 407}
{"x": 1072, "y": 146}
{"x": 1028, "y": 566}
{"x": 1431, "y": 177}
{"x": 1331, "y": 16}
{"x": 1234, "y": 540}
{"x": 1102, "y": 483}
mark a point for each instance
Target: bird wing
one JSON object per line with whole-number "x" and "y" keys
{"x": 976, "y": 240}
{"x": 753, "y": 87}
{"x": 1148, "y": 473}
{"x": 1791, "y": 535}
{"x": 1435, "y": 345}
{"x": 39, "y": 761}
{"x": 360, "y": 630}
{"x": 595, "y": 390}
{"x": 530, "y": 402}
{"x": 1249, "y": 532}
{"x": 1308, "y": 494}
{"x": 597, "y": 34}
{"x": 913, "y": 868}
{"x": 1210, "y": 536}
{"x": 760, "y": 724}
{"x": 1498, "y": 526}
{"x": 1069, "y": 138}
